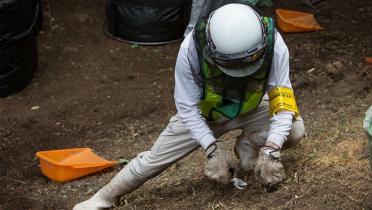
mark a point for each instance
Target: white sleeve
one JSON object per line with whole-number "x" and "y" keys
{"x": 187, "y": 95}
{"x": 280, "y": 123}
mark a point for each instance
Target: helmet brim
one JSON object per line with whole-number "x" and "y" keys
{"x": 242, "y": 69}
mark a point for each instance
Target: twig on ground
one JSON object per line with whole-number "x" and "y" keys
{"x": 287, "y": 188}
{"x": 366, "y": 72}
{"x": 325, "y": 199}
{"x": 233, "y": 196}
{"x": 297, "y": 197}
{"x": 193, "y": 191}
{"x": 353, "y": 199}
{"x": 16, "y": 180}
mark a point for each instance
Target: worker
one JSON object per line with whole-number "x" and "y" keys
{"x": 232, "y": 72}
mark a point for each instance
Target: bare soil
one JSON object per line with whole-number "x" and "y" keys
{"x": 91, "y": 91}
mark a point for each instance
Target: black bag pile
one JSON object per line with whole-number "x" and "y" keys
{"x": 147, "y": 22}
{"x": 19, "y": 22}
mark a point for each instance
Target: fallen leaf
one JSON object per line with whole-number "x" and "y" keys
{"x": 368, "y": 59}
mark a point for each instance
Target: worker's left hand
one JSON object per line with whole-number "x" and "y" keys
{"x": 269, "y": 170}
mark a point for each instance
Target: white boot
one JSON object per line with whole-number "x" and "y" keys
{"x": 97, "y": 202}
{"x": 110, "y": 194}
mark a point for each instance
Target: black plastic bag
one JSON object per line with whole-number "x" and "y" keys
{"x": 18, "y": 18}
{"x": 146, "y": 21}
{"x": 19, "y": 22}
{"x": 18, "y": 62}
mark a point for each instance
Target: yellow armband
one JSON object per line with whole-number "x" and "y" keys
{"x": 281, "y": 98}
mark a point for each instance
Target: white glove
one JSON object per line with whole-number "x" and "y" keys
{"x": 219, "y": 166}
{"x": 269, "y": 170}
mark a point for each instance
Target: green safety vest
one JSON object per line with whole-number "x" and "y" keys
{"x": 245, "y": 93}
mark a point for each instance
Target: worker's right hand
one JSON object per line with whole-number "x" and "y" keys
{"x": 269, "y": 170}
{"x": 219, "y": 166}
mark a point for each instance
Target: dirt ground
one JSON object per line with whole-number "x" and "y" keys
{"x": 90, "y": 91}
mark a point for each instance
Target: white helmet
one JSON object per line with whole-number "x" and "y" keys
{"x": 236, "y": 38}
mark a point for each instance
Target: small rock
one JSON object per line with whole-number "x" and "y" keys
{"x": 336, "y": 71}
{"x": 35, "y": 107}
{"x": 335, "y": 68}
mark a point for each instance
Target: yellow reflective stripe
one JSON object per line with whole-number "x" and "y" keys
{"x": 281, "y": 98}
